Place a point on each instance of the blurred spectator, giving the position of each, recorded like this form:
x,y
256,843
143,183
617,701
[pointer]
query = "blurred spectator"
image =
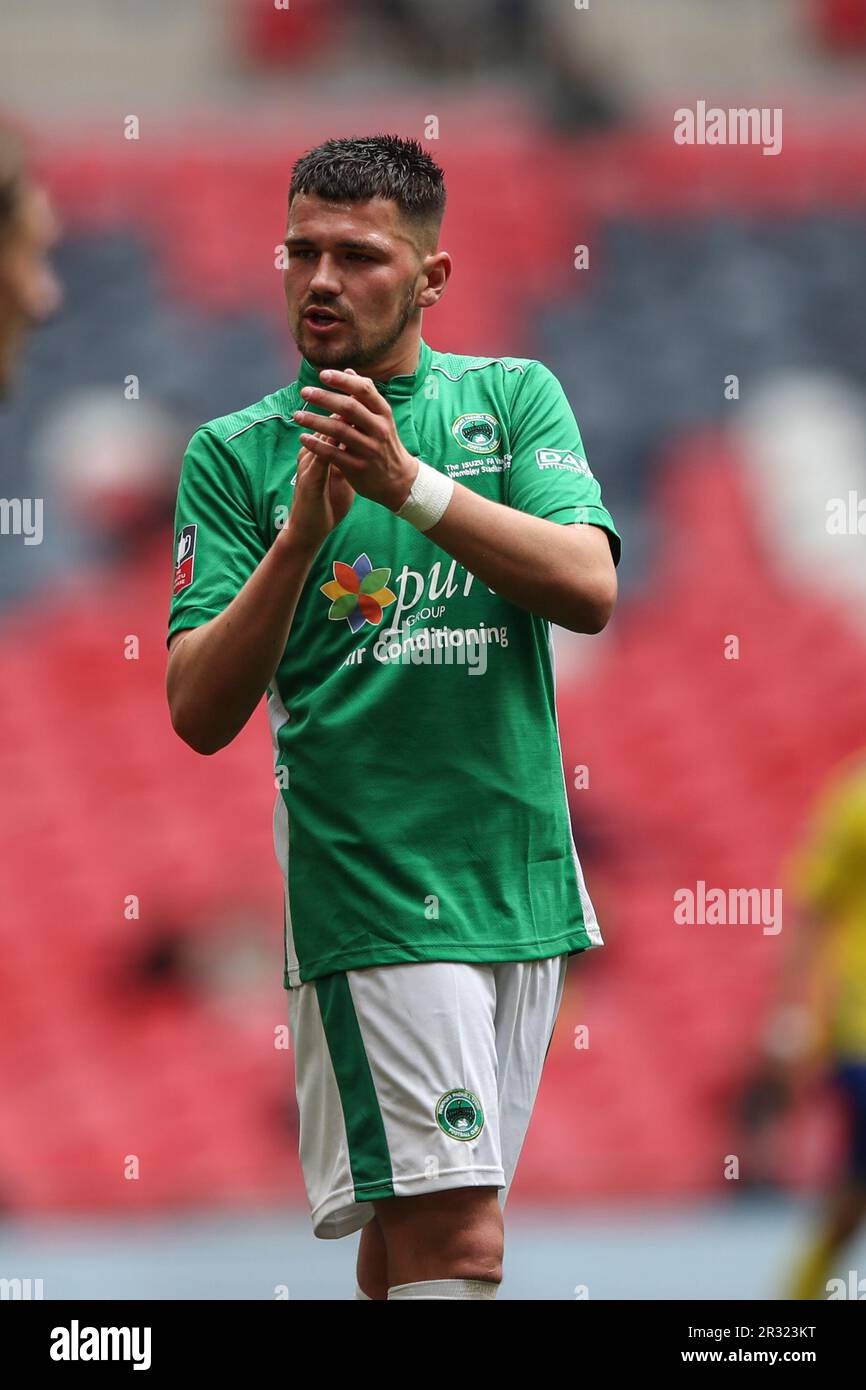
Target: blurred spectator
x,y
110,466
454,37
528,35
29,290
803,435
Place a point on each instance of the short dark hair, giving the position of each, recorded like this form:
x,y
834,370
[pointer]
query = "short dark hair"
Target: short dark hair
x,y
354,168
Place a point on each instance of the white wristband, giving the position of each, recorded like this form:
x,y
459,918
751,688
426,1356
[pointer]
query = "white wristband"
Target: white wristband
x,y
430,495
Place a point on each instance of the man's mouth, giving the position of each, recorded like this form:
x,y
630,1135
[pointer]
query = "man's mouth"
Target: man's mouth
x,y
321,319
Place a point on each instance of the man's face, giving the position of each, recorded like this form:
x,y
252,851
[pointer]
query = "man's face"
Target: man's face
x,y
357,261
29,289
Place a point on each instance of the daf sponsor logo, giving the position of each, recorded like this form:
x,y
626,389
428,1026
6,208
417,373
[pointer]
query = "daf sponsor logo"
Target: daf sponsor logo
x,y
562,458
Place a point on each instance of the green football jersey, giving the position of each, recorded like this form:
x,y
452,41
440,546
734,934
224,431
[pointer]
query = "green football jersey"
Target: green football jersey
x,y
421,809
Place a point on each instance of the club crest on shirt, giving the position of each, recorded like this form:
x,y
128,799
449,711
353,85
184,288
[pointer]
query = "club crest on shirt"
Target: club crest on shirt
x,y
459,1115
183,572
480,433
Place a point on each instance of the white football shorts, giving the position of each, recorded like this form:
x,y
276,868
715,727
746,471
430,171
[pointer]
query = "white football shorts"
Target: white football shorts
x,y
416,1078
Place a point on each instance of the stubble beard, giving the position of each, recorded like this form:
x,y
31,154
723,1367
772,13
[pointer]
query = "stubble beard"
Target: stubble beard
x,y
360,354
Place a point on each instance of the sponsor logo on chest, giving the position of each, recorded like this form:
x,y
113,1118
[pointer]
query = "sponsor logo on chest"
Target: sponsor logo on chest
x,y
360,593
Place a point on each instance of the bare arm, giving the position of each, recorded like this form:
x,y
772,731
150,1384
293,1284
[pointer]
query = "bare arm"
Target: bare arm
x,y
563,573
218,672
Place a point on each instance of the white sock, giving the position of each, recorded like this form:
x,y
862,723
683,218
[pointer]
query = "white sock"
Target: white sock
x,y
445,1288
359,1293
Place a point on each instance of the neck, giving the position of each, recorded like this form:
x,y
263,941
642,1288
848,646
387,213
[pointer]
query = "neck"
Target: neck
x,y
400,360
399,365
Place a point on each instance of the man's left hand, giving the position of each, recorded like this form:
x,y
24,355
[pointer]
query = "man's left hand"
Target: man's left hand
x,y
360,437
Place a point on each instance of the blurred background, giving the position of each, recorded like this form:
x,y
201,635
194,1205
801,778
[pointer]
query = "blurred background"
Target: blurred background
x,y
704,307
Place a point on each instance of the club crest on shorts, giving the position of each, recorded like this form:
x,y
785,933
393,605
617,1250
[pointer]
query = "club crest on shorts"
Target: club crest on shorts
x,y
459,1115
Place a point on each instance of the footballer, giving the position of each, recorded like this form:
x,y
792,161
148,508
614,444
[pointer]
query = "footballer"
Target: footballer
x,y
29,289
380,549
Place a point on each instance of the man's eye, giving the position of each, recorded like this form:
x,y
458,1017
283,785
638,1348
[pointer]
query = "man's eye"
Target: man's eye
x,y
359,256
296,253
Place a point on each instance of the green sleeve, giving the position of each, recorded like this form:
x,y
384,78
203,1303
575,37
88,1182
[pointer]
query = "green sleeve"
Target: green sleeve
x,y
217,540
549,475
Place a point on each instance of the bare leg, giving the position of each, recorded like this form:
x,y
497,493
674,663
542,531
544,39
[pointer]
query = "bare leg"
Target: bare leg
x,y
457,1234
372,1261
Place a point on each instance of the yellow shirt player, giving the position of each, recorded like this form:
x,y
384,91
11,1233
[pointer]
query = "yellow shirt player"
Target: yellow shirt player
x,y
822,1023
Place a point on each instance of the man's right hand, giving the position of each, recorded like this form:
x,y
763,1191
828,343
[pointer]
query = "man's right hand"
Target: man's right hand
x,y
322,498
218,671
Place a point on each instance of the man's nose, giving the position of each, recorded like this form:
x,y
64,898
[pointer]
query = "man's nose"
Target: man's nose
x,y
325,280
